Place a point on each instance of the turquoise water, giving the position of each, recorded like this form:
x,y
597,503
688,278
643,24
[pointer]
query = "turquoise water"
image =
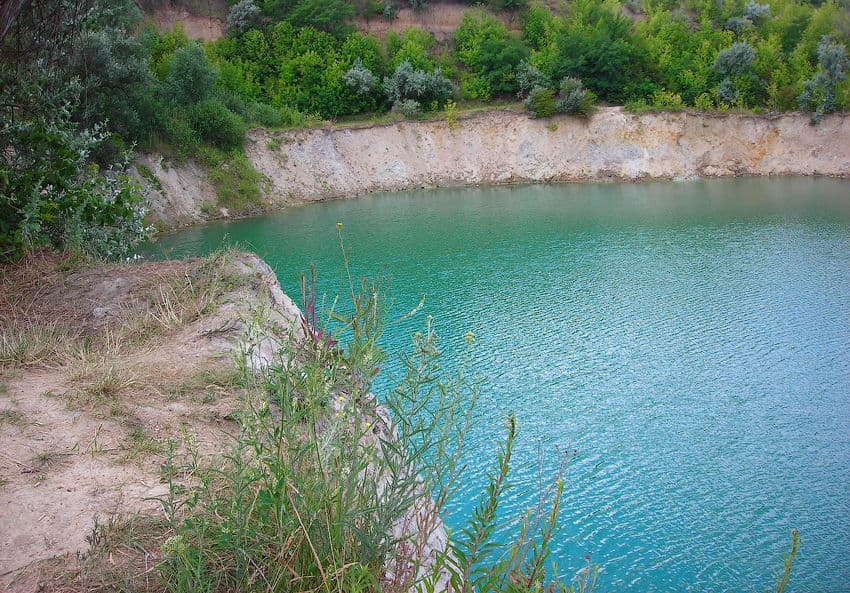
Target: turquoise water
x,y
690,341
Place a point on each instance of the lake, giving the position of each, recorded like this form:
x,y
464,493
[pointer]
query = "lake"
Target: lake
x,y
690,341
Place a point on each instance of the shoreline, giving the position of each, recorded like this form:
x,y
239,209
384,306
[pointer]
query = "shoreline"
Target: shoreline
x,y
505,147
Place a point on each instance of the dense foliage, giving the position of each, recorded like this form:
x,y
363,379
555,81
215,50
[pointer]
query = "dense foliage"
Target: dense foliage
x,y
67,65
705,54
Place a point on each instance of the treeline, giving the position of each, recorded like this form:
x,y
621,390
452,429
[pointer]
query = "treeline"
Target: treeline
x,y
284,63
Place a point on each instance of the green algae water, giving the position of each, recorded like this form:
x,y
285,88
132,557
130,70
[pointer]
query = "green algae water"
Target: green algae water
x,y
690,341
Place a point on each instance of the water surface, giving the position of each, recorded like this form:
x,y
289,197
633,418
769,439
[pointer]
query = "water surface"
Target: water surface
x,y
689,340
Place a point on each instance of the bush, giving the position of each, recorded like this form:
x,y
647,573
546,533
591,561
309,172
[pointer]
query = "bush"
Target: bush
x,y
540,102
735,60
819,95
573,98
217,125
180,133
268,116
390,12
237,183
409,108
528,77
738,25
360,79
190,78
726,92
330,16
243,16
756,12
704,102
423,87
474,87
667,100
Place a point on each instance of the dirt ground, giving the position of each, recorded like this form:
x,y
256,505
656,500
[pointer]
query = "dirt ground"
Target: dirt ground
x,y
439,18
206,20
201,20
100,368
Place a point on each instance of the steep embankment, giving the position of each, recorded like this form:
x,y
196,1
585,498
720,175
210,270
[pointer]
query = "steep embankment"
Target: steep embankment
x,y
509,147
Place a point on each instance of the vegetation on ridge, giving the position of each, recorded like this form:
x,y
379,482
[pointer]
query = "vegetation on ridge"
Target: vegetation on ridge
x,y
85,80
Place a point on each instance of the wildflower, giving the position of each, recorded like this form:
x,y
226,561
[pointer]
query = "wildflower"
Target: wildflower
x,y
339,226
175,545
469,337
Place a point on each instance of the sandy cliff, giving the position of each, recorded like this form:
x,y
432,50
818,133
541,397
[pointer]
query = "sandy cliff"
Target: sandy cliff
x,y
509,147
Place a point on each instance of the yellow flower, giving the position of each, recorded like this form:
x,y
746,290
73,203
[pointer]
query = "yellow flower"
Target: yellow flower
x,y
339,226
469,337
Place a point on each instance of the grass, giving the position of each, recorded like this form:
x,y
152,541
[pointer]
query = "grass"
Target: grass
x,y
206,385
140,444
462,110
24,343
13,418
49,459
149,176
33,334
238,185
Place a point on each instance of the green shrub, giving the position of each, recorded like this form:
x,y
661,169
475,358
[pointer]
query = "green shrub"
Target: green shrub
x,y
190,78
181,135
667,101
217,125
474,87
574,99
540,102
237,183
704,102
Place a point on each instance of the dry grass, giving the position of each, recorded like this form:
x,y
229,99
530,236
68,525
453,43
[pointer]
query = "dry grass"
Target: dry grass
x,y
205,386
14,418
123,556
49,303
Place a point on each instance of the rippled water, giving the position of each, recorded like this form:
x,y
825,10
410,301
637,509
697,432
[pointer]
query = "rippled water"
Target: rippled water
x,y
688,340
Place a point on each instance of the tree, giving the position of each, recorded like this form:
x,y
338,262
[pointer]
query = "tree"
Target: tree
x,y
243,15
330,16
818,94
190,78
51,194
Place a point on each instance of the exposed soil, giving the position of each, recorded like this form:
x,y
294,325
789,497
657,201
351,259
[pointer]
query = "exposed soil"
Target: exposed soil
x,y
440,19
200,20
139,355
507,146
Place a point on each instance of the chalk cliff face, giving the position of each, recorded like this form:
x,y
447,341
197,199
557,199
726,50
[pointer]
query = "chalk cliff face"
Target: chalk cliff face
x,y
509,147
